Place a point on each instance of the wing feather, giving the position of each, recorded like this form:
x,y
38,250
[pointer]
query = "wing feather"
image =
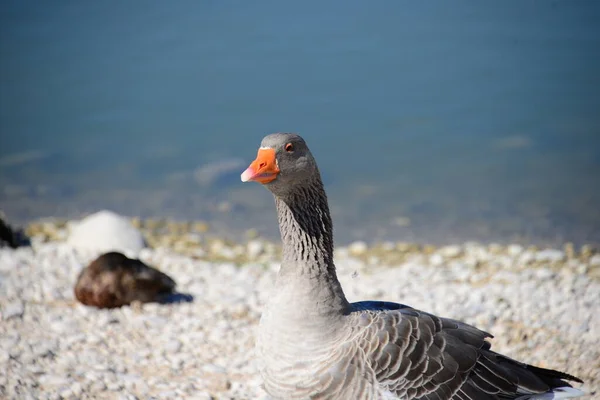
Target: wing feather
x,y
416,355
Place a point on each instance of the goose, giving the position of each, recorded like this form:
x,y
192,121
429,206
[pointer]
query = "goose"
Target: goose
x,y
314,344
114,280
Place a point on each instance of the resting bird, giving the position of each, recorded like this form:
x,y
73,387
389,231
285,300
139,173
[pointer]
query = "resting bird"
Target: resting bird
x,y
14,238
113,280
313,344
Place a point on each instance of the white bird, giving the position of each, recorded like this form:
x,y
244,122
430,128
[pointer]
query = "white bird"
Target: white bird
x,y
313,344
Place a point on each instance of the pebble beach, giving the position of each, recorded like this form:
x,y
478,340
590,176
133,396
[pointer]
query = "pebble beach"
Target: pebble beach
x,y
541,304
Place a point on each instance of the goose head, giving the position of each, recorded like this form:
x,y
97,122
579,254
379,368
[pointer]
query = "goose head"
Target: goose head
x,y
283,164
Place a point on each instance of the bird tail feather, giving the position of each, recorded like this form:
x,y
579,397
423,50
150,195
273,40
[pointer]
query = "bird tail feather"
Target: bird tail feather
x,y
556,394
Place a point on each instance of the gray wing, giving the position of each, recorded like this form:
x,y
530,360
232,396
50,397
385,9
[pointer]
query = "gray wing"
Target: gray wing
x,y
416,355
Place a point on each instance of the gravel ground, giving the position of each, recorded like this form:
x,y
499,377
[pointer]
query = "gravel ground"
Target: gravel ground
x,y
542,306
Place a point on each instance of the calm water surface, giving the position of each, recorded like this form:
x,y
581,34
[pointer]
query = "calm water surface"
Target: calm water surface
x,y
431,121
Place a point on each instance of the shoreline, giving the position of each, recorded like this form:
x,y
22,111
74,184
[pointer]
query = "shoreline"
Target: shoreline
x,y
231,212
195,239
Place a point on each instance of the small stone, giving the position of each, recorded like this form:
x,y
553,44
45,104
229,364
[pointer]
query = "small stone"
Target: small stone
x,y
15,309
4,357
219,248
101,367
194,238
388,246
167,394
569,250
582,269
135,383
450,251
495,248
76,389
373,260
526,257
358,248
214,369
514,250
544,273
255,248
98,386
13,353
66,394
154,321
44,349
177,361
436,259
200,396
114,386
94,339
53,380
239,310
172,346
126,396
586,251
428,249
550,255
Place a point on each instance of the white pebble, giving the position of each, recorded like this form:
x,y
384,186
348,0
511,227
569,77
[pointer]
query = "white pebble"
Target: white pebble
x,y
15,309
357,248
514,250
172,346
550,255
436,259
255,248
450,251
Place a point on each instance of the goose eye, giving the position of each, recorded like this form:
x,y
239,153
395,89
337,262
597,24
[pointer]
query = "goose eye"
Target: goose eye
x,y
289,147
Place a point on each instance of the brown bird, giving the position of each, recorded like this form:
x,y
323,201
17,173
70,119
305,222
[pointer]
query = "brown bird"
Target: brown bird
x,y
113,280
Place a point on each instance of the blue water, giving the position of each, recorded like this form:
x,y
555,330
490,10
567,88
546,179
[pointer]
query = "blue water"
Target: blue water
x,y
431,121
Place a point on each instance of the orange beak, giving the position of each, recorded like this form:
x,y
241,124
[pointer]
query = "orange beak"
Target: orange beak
x,y
264,169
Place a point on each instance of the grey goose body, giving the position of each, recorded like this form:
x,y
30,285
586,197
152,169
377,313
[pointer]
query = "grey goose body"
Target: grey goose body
x,y
313,344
